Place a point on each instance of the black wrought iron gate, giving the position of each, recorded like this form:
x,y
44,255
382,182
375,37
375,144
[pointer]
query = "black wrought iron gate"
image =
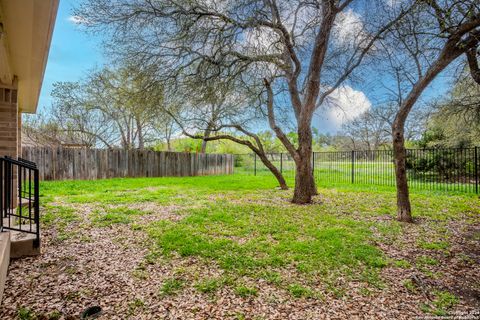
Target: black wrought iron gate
x,y
19,197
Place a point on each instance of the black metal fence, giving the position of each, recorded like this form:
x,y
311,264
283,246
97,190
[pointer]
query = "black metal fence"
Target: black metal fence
x,y
449,169
19,197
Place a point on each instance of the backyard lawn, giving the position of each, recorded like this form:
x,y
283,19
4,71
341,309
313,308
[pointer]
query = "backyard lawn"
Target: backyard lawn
x,y
234,247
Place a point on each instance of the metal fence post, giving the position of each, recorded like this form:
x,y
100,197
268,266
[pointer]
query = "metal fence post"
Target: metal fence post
x,y
36,206
281,162
427,168
353,166
2,194
313,163
476,170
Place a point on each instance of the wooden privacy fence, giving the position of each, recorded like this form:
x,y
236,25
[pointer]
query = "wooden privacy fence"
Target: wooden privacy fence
x,y
91,164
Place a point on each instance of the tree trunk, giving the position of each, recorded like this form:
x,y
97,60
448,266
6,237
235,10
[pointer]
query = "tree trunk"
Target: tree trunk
x,y
141,141
274,170
404,211
168,137
204,141
473,64
304,180
449,53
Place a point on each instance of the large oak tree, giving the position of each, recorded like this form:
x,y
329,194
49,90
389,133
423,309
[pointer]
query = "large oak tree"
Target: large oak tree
x,y
295,52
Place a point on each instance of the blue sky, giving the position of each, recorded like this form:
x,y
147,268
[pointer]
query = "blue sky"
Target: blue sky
x,y
72,53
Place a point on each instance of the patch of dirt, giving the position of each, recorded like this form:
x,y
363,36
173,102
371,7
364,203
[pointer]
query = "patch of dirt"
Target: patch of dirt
x,y
74,274
154,211
455,269
151,211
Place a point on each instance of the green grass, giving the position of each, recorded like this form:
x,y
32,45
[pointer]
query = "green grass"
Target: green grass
x,y
434,245
54,214
249,230
25,314
427,261
60,217
209,285
404,264
245,291
410,285
299,291
442,302
135,305
272,277
314,242
171,286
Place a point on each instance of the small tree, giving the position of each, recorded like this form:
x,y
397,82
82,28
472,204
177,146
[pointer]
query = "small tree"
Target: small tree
x,y
455,120
72,116
368,131
373,129
112,107
220,113
417,53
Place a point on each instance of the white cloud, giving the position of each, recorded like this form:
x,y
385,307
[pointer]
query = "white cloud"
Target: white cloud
x,y
77,20
344,104
349,28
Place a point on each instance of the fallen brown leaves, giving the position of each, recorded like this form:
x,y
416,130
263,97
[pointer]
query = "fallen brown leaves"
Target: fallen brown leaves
x,y
106,267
